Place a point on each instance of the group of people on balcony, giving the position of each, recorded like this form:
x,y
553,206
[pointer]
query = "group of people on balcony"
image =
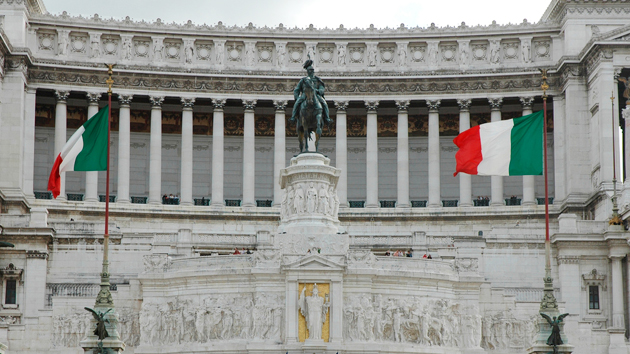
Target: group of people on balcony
x,y
170,199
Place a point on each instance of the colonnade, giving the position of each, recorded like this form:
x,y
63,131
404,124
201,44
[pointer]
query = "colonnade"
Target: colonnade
x,y
249,142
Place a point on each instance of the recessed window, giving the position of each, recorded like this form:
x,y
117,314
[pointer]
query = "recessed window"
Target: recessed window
x,y
593,297
10,295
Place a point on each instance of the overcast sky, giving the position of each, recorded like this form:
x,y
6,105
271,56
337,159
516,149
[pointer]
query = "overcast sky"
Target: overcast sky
x,y
320,13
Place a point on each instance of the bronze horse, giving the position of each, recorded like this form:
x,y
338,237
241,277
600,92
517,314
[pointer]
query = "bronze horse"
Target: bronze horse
x,y
309,119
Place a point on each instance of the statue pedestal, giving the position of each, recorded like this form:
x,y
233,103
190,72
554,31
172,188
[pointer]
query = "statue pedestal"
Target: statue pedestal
x,y
546,349
113,342
617,343
309,209
315,346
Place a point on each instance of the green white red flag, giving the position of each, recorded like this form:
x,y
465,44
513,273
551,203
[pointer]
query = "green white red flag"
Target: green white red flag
x,y
512,147
86,150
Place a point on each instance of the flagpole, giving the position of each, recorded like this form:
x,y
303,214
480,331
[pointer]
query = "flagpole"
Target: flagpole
x,y
615,219
104,297
549,300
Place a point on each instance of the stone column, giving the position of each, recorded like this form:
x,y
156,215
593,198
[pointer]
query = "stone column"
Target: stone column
x,y
155,157
434,154
124,145
187,151
217,152
249,154
559,148
617,292
342,153
91,177
29,141
465,180
60,134
529,183
496,181
279,154
371,152
403,154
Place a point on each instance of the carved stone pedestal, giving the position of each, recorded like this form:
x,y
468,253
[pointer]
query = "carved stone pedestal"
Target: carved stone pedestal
x,y
308,218
315,346
113,342
540,344
545,349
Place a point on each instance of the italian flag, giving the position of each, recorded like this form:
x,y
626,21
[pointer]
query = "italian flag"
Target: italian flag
x,y
512,147
85,151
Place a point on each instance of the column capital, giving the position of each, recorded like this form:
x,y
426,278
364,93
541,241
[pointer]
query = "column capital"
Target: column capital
x,y
188,102
371,106
434,105
495,103
464,104
616,73
280,105
93,97
30,89
125,99
62,96
156,101
249,105
402,105
218,103
341,105
527,102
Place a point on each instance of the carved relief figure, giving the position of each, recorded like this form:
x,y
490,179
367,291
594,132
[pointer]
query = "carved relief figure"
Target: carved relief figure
x,y
494,51
249,54
402,54
433,54
298,202
158,49
219,49
527,51
372,59
314,310
322,205
62,42
463,54
341,54
281,54
311,199
126,48
189,51
95,47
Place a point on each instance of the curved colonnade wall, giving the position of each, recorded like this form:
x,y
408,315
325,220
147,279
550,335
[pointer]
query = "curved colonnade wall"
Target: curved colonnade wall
x,y
177,287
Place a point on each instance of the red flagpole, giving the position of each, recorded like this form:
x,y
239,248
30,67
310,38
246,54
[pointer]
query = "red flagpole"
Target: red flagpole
x,y
544,87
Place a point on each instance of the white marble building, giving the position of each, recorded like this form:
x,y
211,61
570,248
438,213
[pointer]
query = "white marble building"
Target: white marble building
x,y
202,112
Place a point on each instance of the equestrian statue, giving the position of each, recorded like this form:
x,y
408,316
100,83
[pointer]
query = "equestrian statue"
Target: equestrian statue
x,y
310,110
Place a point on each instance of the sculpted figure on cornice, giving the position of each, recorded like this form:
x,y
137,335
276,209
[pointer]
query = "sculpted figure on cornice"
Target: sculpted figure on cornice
x,y
220,28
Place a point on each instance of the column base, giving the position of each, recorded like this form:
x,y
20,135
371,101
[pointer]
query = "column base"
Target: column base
x,y
403,206
372,205
617,341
